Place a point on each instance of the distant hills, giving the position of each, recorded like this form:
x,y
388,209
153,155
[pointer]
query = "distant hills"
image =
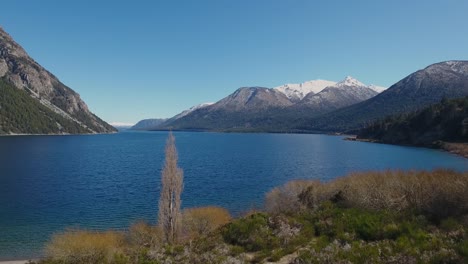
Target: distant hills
x,y
324,106
34,101
148,124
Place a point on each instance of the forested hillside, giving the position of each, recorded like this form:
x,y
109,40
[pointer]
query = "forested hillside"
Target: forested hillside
x,y
20,113
445,121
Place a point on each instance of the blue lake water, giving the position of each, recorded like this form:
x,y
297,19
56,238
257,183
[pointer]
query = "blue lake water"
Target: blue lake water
x,y
49,183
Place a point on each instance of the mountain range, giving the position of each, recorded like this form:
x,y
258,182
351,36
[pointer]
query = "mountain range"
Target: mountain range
x,y
444,80
34,101
271,109
323,106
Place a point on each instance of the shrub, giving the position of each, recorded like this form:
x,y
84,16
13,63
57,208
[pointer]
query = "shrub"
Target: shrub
x,y
440,193
141,234
285,199
79,246
463,248
252,233
202,220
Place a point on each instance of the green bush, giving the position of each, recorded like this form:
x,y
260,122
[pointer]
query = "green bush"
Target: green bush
x,y
462,248
252,232
449,224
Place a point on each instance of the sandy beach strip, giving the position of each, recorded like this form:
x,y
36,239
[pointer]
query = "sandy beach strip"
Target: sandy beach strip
x,y
14,262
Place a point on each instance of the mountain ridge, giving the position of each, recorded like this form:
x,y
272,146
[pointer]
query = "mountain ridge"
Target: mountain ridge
x,y
23,72
448,79
268,109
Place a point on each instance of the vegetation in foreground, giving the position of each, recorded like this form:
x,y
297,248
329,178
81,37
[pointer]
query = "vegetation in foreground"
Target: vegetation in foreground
x,y
374,217
432,126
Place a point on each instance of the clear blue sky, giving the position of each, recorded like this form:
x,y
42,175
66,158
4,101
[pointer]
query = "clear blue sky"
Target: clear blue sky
x,y
139,59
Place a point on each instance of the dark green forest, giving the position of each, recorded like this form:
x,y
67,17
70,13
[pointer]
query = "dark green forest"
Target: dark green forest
x,y
446,121
20,113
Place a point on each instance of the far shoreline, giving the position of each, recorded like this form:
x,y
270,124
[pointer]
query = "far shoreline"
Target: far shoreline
x,y
84,134
15,261
455,148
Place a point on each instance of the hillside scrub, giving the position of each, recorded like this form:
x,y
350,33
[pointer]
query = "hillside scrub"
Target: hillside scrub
x,y
439,193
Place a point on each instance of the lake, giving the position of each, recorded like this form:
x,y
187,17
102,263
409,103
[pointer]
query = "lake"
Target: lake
x,y
49,183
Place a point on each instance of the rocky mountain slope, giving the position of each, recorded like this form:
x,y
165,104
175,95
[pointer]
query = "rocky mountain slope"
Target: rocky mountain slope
x,y
252,99
248,108
420,89
22,72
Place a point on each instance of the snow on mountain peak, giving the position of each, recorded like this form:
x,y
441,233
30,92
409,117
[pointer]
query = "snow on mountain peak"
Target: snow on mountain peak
x,y
191,109
376,88
297,91
350,81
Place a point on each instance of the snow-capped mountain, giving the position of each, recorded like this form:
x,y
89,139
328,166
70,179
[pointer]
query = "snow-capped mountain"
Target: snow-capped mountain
x,y
347,92
271,109
297,91
191,109
350,81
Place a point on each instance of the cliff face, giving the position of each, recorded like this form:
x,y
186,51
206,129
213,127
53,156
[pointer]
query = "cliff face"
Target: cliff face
x,y
21,71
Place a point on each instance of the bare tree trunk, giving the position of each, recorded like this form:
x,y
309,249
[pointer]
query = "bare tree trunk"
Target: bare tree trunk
x,y
169,215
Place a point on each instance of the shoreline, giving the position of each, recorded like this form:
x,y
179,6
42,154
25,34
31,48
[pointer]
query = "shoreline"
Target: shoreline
x,y
87,134
458,149
15,261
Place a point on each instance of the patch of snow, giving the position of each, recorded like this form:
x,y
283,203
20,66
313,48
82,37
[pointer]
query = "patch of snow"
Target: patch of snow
x,y
299,90
376,88
191,109
350,81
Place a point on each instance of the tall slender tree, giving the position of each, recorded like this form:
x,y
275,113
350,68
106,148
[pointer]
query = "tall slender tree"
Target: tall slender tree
x,y
169,216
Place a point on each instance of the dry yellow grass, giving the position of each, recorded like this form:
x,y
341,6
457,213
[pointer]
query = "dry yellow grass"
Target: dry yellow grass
x,y
80,246
440,192
202,220
141,234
